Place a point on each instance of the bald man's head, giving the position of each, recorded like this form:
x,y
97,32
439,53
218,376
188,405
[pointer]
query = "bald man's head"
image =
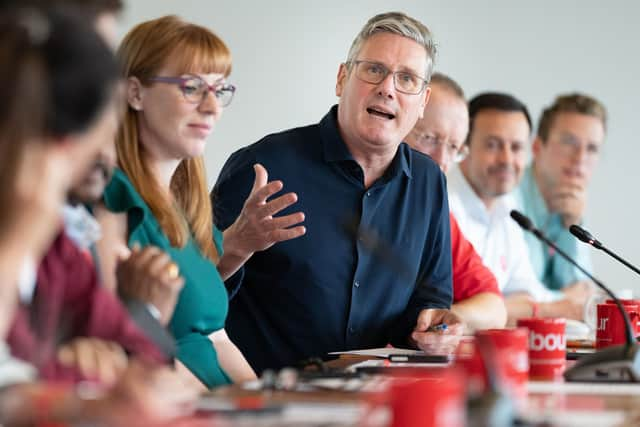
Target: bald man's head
x,y
442,131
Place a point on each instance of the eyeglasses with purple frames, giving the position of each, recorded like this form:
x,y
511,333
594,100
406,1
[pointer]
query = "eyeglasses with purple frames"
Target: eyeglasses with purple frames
x,y
194,88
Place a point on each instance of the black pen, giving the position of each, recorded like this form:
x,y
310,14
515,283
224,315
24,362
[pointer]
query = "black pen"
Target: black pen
x,y
419,358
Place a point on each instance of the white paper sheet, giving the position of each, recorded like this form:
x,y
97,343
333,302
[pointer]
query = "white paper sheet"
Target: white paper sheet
x,y
375,363
381,352
583,388
564,418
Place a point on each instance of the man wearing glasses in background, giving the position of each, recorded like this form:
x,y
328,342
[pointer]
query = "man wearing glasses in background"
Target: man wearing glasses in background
x,y
441,134
374,265
553,190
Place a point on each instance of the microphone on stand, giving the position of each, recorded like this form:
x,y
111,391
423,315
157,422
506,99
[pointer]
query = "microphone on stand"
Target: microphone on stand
x,y
620,363
586,237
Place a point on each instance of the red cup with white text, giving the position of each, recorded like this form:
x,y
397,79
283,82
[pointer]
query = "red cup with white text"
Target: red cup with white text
x,y
635,320
428,398
610,324
547,347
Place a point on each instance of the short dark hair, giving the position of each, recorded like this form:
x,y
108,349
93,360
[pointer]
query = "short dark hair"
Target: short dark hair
x,y
79,71
24,95
495,101
90,9
571,103
448,83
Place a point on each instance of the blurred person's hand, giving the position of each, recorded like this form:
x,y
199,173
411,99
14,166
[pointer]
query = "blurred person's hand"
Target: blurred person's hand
x,y
519,305
566,308
569,200
95,359
579,292
149,275
152,395
430,336
143,396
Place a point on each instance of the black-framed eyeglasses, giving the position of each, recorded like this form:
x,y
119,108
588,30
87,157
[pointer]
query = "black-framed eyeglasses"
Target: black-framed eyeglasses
x,y
194,88
375,72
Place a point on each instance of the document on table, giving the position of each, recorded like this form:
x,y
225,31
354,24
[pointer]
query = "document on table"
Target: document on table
x,y
376,365
288,414
575,418
383,352
583,388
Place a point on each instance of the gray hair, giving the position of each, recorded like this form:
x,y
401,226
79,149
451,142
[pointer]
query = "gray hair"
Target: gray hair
x,y
402,25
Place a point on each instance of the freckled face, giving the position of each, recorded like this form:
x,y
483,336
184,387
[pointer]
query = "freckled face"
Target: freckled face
x,y
170,126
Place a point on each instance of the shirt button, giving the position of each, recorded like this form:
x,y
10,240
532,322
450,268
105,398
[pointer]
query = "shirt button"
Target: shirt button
x,y
356,284
352,329
368,193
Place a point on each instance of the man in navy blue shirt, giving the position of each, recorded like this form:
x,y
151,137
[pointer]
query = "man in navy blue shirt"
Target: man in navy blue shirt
x,y
374,265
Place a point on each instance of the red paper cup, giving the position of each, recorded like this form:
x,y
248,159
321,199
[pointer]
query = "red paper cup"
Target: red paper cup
x,y
610,326
509,351
634,317
547,347
511,355
469,361
429,398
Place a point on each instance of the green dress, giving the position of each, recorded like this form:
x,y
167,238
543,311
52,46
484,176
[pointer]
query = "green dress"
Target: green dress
x,y
203,303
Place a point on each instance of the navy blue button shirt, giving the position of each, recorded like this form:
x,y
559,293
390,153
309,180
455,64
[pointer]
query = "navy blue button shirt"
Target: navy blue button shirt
x,y
334,289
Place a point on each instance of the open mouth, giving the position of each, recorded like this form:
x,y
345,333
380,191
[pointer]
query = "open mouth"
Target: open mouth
x,y
380,113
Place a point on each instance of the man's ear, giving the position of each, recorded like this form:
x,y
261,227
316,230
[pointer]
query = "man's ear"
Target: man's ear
x,y
135,93
341,79
425,100
536,147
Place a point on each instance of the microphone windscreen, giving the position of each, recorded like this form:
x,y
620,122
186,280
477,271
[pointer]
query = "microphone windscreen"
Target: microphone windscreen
x,y
522,220
581,233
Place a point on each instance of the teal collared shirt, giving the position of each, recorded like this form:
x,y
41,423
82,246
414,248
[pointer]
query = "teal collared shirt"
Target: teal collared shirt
x,y
551,269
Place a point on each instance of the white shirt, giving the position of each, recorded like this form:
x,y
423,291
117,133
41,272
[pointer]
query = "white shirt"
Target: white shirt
x,y
81,227
12,370
27,280
496,237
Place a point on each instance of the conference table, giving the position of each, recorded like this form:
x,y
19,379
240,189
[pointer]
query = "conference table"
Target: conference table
x,y
357,402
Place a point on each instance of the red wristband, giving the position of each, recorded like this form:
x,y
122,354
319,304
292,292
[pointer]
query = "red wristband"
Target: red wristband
x,y
535,308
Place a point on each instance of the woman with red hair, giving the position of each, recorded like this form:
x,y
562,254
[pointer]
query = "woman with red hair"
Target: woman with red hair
x,y
176,92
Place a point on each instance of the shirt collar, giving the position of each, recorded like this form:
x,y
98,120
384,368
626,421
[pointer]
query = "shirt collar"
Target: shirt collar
x,y
81,227
27,280
335,150
472,202
538,207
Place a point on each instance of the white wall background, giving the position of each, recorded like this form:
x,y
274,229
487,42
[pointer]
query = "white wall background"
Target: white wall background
x,y
286,56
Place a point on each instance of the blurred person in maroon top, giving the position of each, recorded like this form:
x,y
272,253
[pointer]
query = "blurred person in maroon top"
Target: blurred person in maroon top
x,y
36,178
65,301
441,134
